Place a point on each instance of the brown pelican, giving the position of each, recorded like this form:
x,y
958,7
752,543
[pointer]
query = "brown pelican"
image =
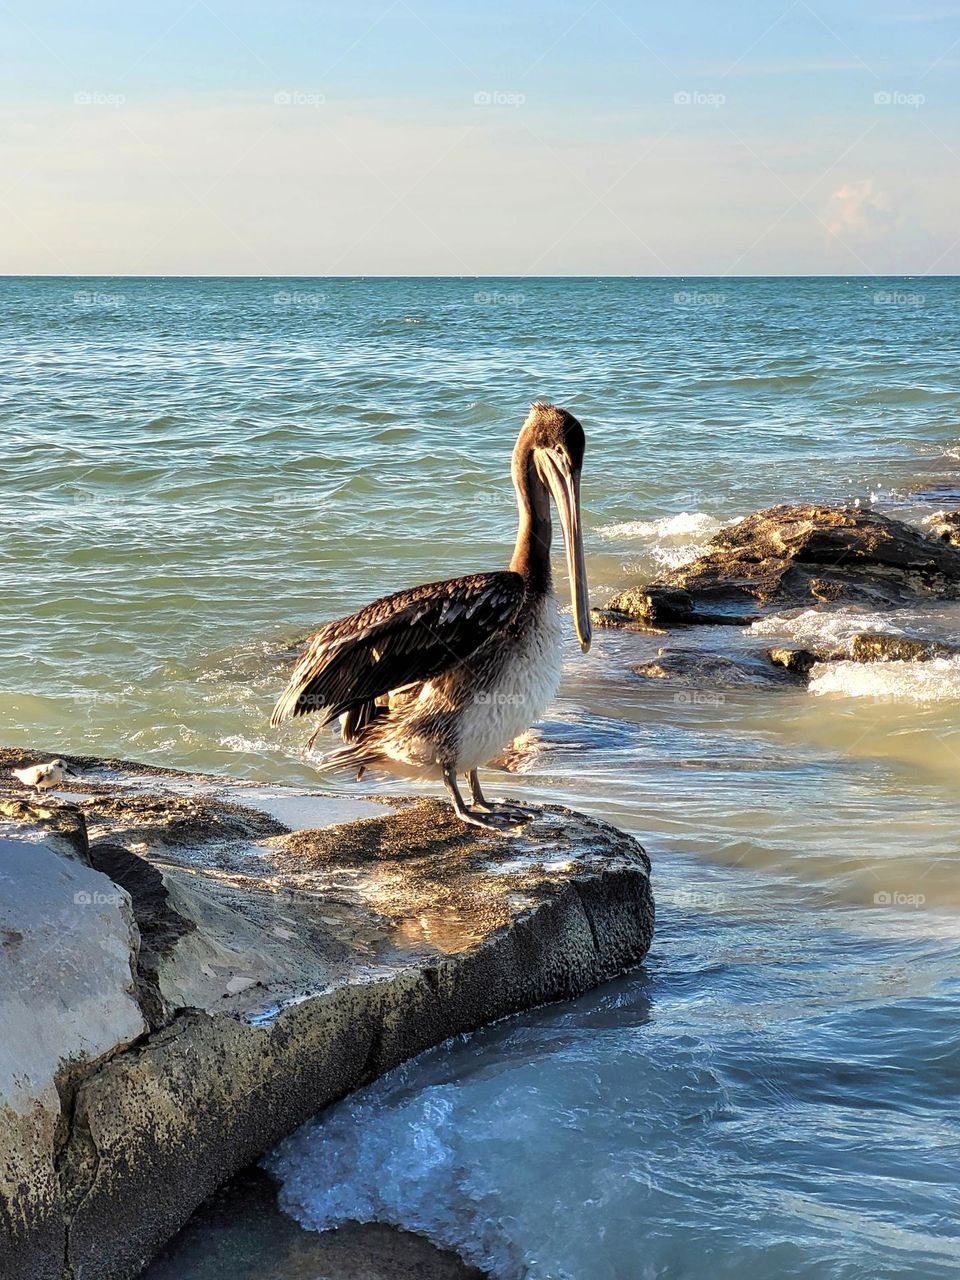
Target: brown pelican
x,y
434,681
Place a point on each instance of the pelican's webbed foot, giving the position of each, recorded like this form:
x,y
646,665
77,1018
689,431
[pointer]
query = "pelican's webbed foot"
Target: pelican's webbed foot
x,y
507,808
502,821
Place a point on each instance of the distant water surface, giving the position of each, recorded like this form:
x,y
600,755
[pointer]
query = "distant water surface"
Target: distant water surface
x,y
196,472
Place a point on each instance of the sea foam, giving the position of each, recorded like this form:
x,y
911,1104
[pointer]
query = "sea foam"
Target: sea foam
x,y
674,540
833,629
936,680
686,524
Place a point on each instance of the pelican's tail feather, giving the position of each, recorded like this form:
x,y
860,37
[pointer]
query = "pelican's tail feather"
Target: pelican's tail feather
x,y
352,757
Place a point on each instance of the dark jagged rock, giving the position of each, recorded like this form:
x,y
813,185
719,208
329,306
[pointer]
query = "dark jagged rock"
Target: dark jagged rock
x,y
703,670
160,925
797,661
657,607
945,525
192,967
800,556
881,647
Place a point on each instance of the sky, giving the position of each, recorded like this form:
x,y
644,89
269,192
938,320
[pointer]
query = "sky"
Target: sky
x,y
499,137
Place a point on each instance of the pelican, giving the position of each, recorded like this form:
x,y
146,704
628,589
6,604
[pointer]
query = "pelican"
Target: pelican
x,y
434,681
43,776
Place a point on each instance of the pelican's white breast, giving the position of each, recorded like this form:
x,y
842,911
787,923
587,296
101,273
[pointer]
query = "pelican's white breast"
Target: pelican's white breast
x,y
516,697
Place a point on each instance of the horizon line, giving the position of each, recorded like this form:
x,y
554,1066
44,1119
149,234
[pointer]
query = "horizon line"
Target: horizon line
x,y
806,275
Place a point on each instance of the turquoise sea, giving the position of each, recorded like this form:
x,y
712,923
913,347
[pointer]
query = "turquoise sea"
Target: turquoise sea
x,y
196,472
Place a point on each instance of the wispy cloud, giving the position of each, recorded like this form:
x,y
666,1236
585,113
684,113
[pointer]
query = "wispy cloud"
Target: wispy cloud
x,y
860,209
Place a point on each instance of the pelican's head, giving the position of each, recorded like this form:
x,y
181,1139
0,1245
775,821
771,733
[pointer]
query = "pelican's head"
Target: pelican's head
x,y
553,441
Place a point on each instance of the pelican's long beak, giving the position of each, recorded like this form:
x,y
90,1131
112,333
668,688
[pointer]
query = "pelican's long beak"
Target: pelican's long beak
x,y
564,484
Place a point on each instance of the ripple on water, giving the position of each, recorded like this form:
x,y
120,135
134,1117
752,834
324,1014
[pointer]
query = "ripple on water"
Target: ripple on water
x,y
713,1108
204,469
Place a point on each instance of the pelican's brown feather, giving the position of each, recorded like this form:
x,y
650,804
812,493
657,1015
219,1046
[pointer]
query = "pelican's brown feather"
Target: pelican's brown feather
x,y
400,639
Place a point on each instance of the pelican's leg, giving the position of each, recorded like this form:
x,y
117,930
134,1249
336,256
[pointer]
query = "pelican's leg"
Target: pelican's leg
x,y
492,821
479,799
507,808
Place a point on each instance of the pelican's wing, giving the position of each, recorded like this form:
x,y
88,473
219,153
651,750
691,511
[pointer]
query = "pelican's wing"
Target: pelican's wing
x,y
410,636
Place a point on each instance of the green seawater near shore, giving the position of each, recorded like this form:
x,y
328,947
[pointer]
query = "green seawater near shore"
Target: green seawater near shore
x,y
197,472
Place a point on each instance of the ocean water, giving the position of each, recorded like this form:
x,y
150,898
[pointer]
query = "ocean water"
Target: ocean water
x,y
197,472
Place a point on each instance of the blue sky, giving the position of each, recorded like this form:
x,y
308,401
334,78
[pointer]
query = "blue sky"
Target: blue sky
x,y
415,137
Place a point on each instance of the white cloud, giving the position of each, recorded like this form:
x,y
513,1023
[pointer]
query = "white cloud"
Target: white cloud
x,y
859,209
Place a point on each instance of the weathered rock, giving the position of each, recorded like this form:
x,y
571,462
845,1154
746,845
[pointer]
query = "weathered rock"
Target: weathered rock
x,y
946,526
67,957
792,556
181,1000
616,620
243,1223
864,646
797,661
881,647
656,607
700,669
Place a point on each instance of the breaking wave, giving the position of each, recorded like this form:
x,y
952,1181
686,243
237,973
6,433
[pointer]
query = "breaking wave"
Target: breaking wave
x,y
935,680
833,629
675,540
687,524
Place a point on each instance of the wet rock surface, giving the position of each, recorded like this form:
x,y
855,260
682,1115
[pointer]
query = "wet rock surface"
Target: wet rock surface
x,y
658,607
798,556
798,662
194,966
884,647
945,525
864,646
241,1234
701,669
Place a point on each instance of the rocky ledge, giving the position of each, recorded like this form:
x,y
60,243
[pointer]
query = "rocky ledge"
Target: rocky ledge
x,y
783,666
191,967
797,556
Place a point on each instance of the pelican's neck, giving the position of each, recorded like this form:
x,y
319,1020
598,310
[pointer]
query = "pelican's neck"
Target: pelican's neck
x,y
531,555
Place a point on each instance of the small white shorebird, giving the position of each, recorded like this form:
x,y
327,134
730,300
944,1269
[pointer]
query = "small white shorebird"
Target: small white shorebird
x,y
44,776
